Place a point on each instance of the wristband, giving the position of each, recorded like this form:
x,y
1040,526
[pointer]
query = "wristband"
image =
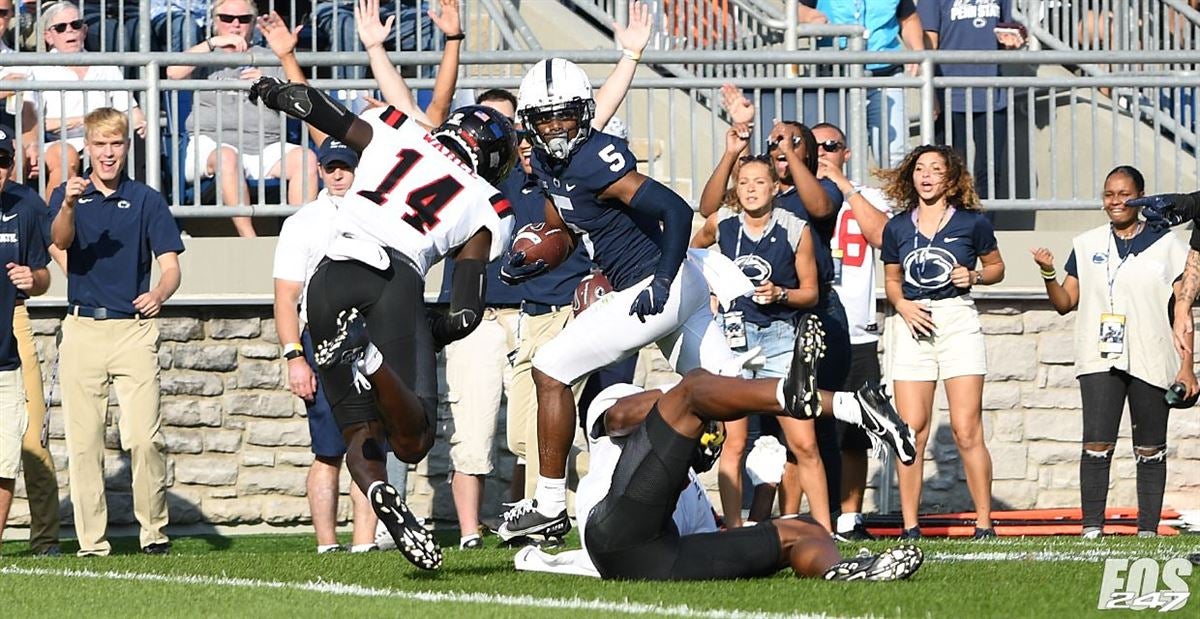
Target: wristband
x,y
854,191
1050,274
456,37
210,45
978,279
632,55
783,296
293,350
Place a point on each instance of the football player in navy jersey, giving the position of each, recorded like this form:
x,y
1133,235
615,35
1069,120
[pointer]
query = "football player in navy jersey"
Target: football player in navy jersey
x,y
636,230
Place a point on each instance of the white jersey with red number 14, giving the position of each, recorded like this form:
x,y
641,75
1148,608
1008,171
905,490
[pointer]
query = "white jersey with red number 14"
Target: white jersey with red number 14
x,y
412,195
857,288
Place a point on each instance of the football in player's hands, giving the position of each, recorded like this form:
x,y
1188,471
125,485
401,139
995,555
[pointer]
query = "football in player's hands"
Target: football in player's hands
x,y
593,286
542,242
517,269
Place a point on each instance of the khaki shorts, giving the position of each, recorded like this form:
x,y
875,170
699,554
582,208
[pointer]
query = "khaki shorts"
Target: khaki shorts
x,y
13,422
957,347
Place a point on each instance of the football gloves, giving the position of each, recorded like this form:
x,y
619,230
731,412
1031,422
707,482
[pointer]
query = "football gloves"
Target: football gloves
x,y
1160,210
514,270
652,299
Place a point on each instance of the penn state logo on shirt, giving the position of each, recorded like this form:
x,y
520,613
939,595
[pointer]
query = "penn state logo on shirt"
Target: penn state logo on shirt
x,y
928,267
1099,257
123,204
756,268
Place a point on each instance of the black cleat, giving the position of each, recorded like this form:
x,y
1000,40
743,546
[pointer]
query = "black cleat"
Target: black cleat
x,y
801,399
909,534
348,343
893,564
988,533
412,540
880,419
524,520
157,548
858,534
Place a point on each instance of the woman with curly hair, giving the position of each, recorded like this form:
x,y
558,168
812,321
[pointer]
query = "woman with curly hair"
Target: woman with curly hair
x,y
931,249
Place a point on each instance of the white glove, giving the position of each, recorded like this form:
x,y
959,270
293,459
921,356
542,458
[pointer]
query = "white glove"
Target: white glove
x,y
764,464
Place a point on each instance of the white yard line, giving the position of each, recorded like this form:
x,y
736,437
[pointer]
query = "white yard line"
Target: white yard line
x,y
336,588
1088,555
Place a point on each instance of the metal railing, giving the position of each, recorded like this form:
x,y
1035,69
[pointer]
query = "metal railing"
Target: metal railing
x,y
1073,133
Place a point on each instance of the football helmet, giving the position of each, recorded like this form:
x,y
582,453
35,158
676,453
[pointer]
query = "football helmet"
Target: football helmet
x,y
556,89
481,137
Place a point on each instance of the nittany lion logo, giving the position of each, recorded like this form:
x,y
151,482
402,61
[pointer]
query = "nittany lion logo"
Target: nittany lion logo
x,y
928,267
754,267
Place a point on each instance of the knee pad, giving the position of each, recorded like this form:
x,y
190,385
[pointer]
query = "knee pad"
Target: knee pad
x,y
1150,454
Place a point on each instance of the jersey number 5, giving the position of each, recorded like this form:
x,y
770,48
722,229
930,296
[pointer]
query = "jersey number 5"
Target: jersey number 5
x,y
426,201
615,160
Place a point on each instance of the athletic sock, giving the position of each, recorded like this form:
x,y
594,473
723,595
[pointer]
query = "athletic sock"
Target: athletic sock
x,y
364,547
551,496
779,395
324,548
847,521
846,408
370,361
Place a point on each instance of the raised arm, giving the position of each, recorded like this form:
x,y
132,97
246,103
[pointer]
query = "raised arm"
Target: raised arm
x,y
811,194
231,42
282,41
1064,297
737,140
632,39
450,24
373,34
706,236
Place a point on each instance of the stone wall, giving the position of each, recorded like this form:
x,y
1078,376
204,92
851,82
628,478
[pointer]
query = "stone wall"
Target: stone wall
x,y
238,441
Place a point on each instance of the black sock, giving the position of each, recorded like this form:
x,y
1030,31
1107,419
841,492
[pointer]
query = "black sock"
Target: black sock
x,y
1093,487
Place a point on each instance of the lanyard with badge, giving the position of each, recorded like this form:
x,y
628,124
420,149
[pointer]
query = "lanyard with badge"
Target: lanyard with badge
x,y
734,321
924,256
1112,324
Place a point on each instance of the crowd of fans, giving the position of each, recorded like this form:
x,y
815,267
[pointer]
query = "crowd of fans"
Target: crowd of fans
x,y
806,236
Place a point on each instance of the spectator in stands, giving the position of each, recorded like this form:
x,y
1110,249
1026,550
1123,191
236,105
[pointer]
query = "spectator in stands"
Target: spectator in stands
x,y
774,248
225,139
333,21
971,123
62,112
110,225
176,25
930,250
891,26
41,484
1121,276
858,234
23,253
11,100
302,243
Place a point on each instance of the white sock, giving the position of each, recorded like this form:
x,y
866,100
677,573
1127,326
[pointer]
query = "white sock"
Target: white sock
x,y
846,408
324,548
846,521
779,395
551,495
370,361
364,547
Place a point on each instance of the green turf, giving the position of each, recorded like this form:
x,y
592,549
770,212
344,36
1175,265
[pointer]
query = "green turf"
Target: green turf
x,y
1023,583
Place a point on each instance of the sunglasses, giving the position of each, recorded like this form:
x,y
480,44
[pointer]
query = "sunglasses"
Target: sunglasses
x,y
523,134
241,19
831,146
6,13
73,25
754,158
773,144
6,161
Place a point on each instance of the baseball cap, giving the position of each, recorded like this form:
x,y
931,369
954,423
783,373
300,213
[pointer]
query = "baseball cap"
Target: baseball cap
x,y
6,139
332,150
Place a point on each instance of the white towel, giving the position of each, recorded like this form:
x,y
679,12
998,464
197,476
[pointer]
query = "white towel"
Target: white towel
x,y
724,277
366,252
571,562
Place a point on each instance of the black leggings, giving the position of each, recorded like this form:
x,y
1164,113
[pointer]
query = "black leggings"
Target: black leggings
x,y
392,303
1104,397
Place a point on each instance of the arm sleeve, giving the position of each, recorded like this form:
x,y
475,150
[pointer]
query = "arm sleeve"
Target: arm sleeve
x,y
889,252
1072,268
676,216
983,235
161,229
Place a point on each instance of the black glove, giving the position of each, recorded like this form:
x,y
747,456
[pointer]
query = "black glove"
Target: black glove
x,y
515,271
652,299
1160,210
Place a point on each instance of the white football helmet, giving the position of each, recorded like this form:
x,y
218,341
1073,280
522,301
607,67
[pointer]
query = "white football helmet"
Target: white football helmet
x,y
556,88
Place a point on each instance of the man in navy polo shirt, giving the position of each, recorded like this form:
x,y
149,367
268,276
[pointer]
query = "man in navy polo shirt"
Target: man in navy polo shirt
x,y
112,227
41,484
24,258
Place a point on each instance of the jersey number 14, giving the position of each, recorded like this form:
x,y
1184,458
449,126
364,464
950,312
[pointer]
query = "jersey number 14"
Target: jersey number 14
x,y
425,201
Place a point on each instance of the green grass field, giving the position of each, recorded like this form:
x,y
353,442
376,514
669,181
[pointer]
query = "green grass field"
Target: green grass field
x,y
281,576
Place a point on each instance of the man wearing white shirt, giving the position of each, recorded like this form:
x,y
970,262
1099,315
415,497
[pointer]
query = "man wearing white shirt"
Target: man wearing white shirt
x,y
857,234
305,237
